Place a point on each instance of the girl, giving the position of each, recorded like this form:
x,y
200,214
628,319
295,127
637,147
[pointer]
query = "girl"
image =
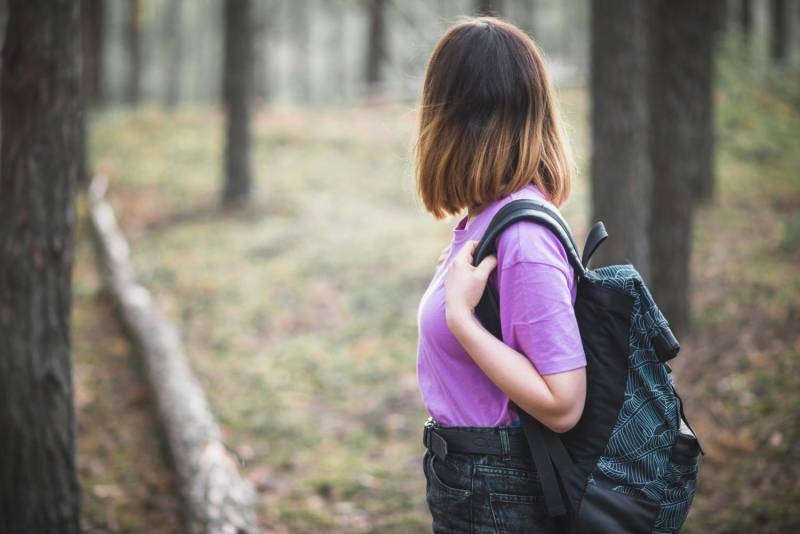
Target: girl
x,y
489,133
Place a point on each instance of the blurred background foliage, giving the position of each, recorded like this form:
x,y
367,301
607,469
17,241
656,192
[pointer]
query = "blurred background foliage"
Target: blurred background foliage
x,y
298,311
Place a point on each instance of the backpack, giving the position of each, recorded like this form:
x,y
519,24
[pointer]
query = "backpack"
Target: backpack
x,y
630,463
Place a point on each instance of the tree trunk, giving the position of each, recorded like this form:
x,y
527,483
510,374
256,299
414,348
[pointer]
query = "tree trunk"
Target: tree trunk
x,y
261,62
489,8
173,34
336,51
216,498
720,23
681,144
299,23
133,85
779,38
238,85
92,29
526,16
621,168
92,26
39,161
699,67
746,18
376,47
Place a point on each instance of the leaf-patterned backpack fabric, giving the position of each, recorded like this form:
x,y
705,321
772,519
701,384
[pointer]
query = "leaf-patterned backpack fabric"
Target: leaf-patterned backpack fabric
x,y
630,464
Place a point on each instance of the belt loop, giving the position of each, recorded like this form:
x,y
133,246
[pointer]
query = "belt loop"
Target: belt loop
x,y
434,442
437,445
505,445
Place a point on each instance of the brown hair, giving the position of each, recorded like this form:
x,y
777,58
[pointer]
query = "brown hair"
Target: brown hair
x,y
488,121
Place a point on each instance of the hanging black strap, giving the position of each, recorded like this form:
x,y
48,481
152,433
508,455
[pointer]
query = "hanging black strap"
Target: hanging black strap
x,y
537,442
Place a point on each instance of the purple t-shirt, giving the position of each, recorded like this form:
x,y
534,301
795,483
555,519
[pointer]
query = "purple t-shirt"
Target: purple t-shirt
x,y
536,287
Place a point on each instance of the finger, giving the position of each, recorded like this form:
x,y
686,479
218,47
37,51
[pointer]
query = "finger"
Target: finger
x,y
486,266
465,254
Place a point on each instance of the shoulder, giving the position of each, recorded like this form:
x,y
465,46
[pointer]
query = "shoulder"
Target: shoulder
x,y
529,242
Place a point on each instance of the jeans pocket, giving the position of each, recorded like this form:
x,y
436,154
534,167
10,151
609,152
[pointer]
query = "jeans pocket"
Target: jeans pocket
x,y
449,502
520,513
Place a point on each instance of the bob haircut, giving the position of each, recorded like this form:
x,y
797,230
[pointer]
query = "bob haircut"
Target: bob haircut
x,y
488,121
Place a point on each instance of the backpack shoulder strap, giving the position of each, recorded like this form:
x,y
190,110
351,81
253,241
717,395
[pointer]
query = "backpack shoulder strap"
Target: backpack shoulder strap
x,y
529,210
488,310
547,450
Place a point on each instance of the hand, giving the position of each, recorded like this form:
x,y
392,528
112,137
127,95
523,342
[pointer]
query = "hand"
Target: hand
x,y
465,284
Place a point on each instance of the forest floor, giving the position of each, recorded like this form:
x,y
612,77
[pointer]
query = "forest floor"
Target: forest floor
x,y
299,314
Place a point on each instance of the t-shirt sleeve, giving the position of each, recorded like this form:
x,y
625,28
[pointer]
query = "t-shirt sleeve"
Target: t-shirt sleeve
x,y
536,305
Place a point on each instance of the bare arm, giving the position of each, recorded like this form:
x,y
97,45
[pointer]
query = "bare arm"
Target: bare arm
x,y
555,400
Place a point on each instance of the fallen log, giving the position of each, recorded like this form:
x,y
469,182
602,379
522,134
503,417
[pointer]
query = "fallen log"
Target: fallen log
x,y
216,498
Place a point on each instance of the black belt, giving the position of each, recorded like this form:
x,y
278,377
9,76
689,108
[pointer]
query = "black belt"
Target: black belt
x,y
497,441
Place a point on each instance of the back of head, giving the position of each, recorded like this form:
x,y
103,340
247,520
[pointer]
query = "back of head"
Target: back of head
x,y
488,120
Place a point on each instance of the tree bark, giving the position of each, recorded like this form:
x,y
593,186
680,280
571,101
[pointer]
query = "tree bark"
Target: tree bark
x,y
620,163
133,85
376,46
216,498
238,85
681,144
779,38
699,67
39,161
173,34
92,30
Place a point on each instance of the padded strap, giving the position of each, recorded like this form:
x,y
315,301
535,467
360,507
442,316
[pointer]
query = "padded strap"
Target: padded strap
x,y
529,210
488,312
596,236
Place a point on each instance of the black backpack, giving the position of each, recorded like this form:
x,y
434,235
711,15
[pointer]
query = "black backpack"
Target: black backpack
x,y
630,463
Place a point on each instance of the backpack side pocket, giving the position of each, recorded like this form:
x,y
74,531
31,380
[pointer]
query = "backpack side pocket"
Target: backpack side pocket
x,y
680,479
605,511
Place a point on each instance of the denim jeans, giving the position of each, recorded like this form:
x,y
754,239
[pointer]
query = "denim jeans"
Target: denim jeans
x,y
478,494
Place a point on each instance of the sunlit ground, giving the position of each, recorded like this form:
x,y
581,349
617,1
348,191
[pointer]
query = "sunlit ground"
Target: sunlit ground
x,y
299,314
